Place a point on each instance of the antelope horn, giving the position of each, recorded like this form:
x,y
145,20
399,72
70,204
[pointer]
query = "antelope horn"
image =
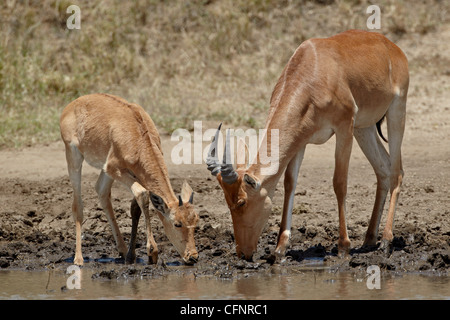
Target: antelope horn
x,y
212,161
227,172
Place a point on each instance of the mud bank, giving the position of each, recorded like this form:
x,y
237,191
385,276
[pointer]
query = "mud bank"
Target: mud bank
x,y
37,232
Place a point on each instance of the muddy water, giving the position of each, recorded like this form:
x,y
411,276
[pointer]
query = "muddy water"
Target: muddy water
x,y
304,283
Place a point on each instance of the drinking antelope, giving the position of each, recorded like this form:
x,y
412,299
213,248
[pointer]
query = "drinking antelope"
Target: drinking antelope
x,y
121,139
343,85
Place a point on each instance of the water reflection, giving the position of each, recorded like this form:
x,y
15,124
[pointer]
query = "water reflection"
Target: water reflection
x,y
321,284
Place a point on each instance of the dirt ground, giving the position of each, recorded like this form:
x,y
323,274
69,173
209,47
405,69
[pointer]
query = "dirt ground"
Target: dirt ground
x,y
37,230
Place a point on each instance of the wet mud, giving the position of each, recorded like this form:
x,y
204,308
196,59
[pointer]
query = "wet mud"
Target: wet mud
x,y
37,232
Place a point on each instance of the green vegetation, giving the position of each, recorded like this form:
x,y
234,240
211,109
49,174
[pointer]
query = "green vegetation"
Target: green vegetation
x,y
181,60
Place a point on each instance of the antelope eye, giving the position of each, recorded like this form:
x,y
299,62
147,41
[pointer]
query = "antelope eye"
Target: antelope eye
x,y
240,203
177,224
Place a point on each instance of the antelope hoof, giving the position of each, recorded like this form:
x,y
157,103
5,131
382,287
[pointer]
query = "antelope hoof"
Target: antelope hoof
x,y
369,245
342,254
130,258
78,261
280,253
277,256
153,257
191,261
370,241
283,243
386,247
343,248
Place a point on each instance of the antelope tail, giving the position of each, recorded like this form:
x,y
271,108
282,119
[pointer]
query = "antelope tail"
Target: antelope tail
x,y
379,128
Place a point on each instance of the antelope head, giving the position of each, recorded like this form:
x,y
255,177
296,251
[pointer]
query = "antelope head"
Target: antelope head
x,y
179,221
248,202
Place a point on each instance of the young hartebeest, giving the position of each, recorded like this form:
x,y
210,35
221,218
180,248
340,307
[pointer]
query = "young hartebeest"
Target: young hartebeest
x,y
343,85
121,139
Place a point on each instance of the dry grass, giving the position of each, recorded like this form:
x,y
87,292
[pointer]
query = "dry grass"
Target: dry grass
x,y
180,60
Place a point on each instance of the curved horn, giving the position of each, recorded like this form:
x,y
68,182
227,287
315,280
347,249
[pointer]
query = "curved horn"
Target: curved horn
x,y
227,172
212,161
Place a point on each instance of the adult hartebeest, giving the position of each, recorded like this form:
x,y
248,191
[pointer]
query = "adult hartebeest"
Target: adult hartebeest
x,y
343,85
121,139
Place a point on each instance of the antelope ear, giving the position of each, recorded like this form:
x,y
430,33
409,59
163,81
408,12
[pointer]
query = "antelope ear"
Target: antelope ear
x,y
186,193
159,204
251,181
